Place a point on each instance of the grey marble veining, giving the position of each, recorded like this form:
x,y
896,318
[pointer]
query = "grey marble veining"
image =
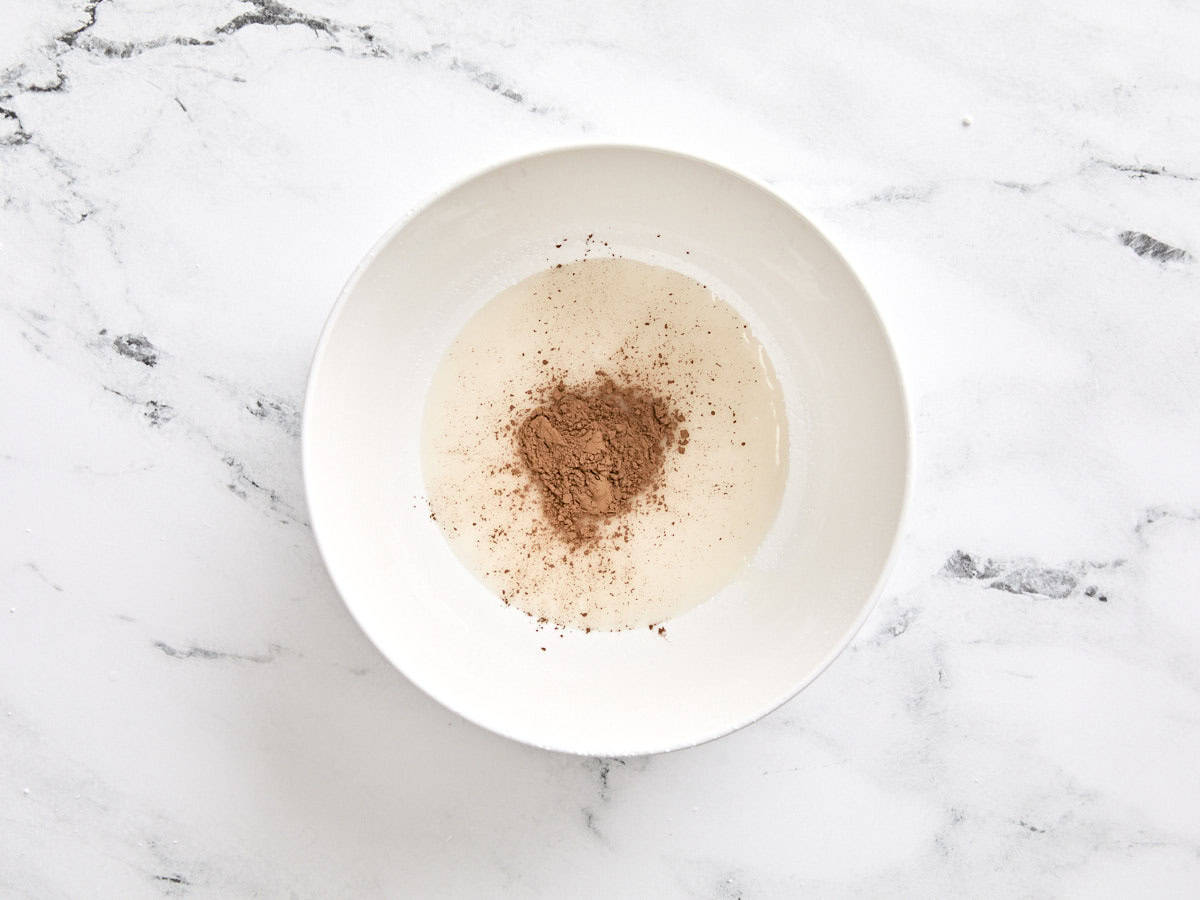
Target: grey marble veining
x,y
187,710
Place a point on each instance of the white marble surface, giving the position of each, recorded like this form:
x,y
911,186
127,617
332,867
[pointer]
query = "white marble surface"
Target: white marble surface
x,y
187,709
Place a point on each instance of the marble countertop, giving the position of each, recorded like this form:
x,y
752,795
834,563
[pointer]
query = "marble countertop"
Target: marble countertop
x,y
187,709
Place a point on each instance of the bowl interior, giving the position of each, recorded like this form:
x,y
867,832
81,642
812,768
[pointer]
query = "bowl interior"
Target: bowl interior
x,y
731,659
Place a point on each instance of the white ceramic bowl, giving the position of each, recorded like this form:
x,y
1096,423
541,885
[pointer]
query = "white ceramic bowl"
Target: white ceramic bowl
x,y
733,658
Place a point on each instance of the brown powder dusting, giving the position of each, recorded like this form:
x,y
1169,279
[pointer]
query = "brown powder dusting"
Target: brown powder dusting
x,y
684,437
592,450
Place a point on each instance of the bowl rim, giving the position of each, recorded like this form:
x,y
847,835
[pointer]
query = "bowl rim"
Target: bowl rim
x,y
555,149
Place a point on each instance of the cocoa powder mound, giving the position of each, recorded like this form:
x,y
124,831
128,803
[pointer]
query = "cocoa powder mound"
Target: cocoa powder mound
x,y
592,450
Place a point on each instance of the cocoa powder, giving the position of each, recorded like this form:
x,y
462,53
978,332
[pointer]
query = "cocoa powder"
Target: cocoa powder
x,y
592,450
